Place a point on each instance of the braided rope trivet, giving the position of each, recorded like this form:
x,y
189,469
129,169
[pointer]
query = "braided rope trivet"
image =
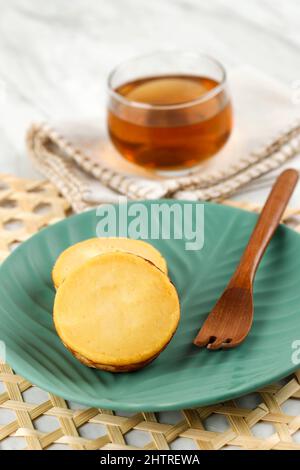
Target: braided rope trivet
x,y
26,206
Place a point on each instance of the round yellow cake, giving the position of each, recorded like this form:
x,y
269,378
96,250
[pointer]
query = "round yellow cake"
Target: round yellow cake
x,y
71,258
116,312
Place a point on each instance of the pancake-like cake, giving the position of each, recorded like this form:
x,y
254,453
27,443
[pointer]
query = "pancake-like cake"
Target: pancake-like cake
x,y
117,312
71,258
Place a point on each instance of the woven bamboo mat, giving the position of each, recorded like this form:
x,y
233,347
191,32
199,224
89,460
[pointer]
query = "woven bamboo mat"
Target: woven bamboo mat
x,y
25,207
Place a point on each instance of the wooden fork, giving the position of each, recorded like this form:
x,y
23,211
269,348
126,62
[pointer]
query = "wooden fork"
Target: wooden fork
x,y
231,318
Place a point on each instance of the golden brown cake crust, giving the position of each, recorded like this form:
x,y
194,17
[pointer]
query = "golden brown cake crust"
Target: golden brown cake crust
x,y
117,312
80,252
115,369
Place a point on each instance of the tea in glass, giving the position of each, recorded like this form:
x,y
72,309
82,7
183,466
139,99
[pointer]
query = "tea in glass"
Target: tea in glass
x,y
173,116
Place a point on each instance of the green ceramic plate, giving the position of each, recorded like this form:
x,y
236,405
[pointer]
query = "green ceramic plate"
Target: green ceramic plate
x,y
182,376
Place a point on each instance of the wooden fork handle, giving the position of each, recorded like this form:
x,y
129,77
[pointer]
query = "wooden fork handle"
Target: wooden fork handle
x,y
265,227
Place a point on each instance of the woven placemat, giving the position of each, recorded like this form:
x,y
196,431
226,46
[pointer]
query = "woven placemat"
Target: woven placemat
x,y
25,207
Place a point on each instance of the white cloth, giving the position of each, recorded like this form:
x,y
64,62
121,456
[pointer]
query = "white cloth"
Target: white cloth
x,y
78,158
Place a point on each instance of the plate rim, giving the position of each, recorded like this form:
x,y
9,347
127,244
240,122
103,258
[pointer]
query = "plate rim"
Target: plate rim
x,y
173,406
105,403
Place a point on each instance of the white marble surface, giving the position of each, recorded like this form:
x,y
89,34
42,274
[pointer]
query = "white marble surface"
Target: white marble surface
x,y
55,57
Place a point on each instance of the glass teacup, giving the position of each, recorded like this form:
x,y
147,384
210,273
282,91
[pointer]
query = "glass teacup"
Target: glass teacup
x,y
169,110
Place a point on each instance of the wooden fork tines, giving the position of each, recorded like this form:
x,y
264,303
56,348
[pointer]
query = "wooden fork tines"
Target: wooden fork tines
x,y
231,318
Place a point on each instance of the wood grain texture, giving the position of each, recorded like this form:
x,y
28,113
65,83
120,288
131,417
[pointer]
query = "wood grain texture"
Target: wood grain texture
x,y
230,321
267,223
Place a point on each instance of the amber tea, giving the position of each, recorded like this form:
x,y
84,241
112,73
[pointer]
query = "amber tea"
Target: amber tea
x,y
171,121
